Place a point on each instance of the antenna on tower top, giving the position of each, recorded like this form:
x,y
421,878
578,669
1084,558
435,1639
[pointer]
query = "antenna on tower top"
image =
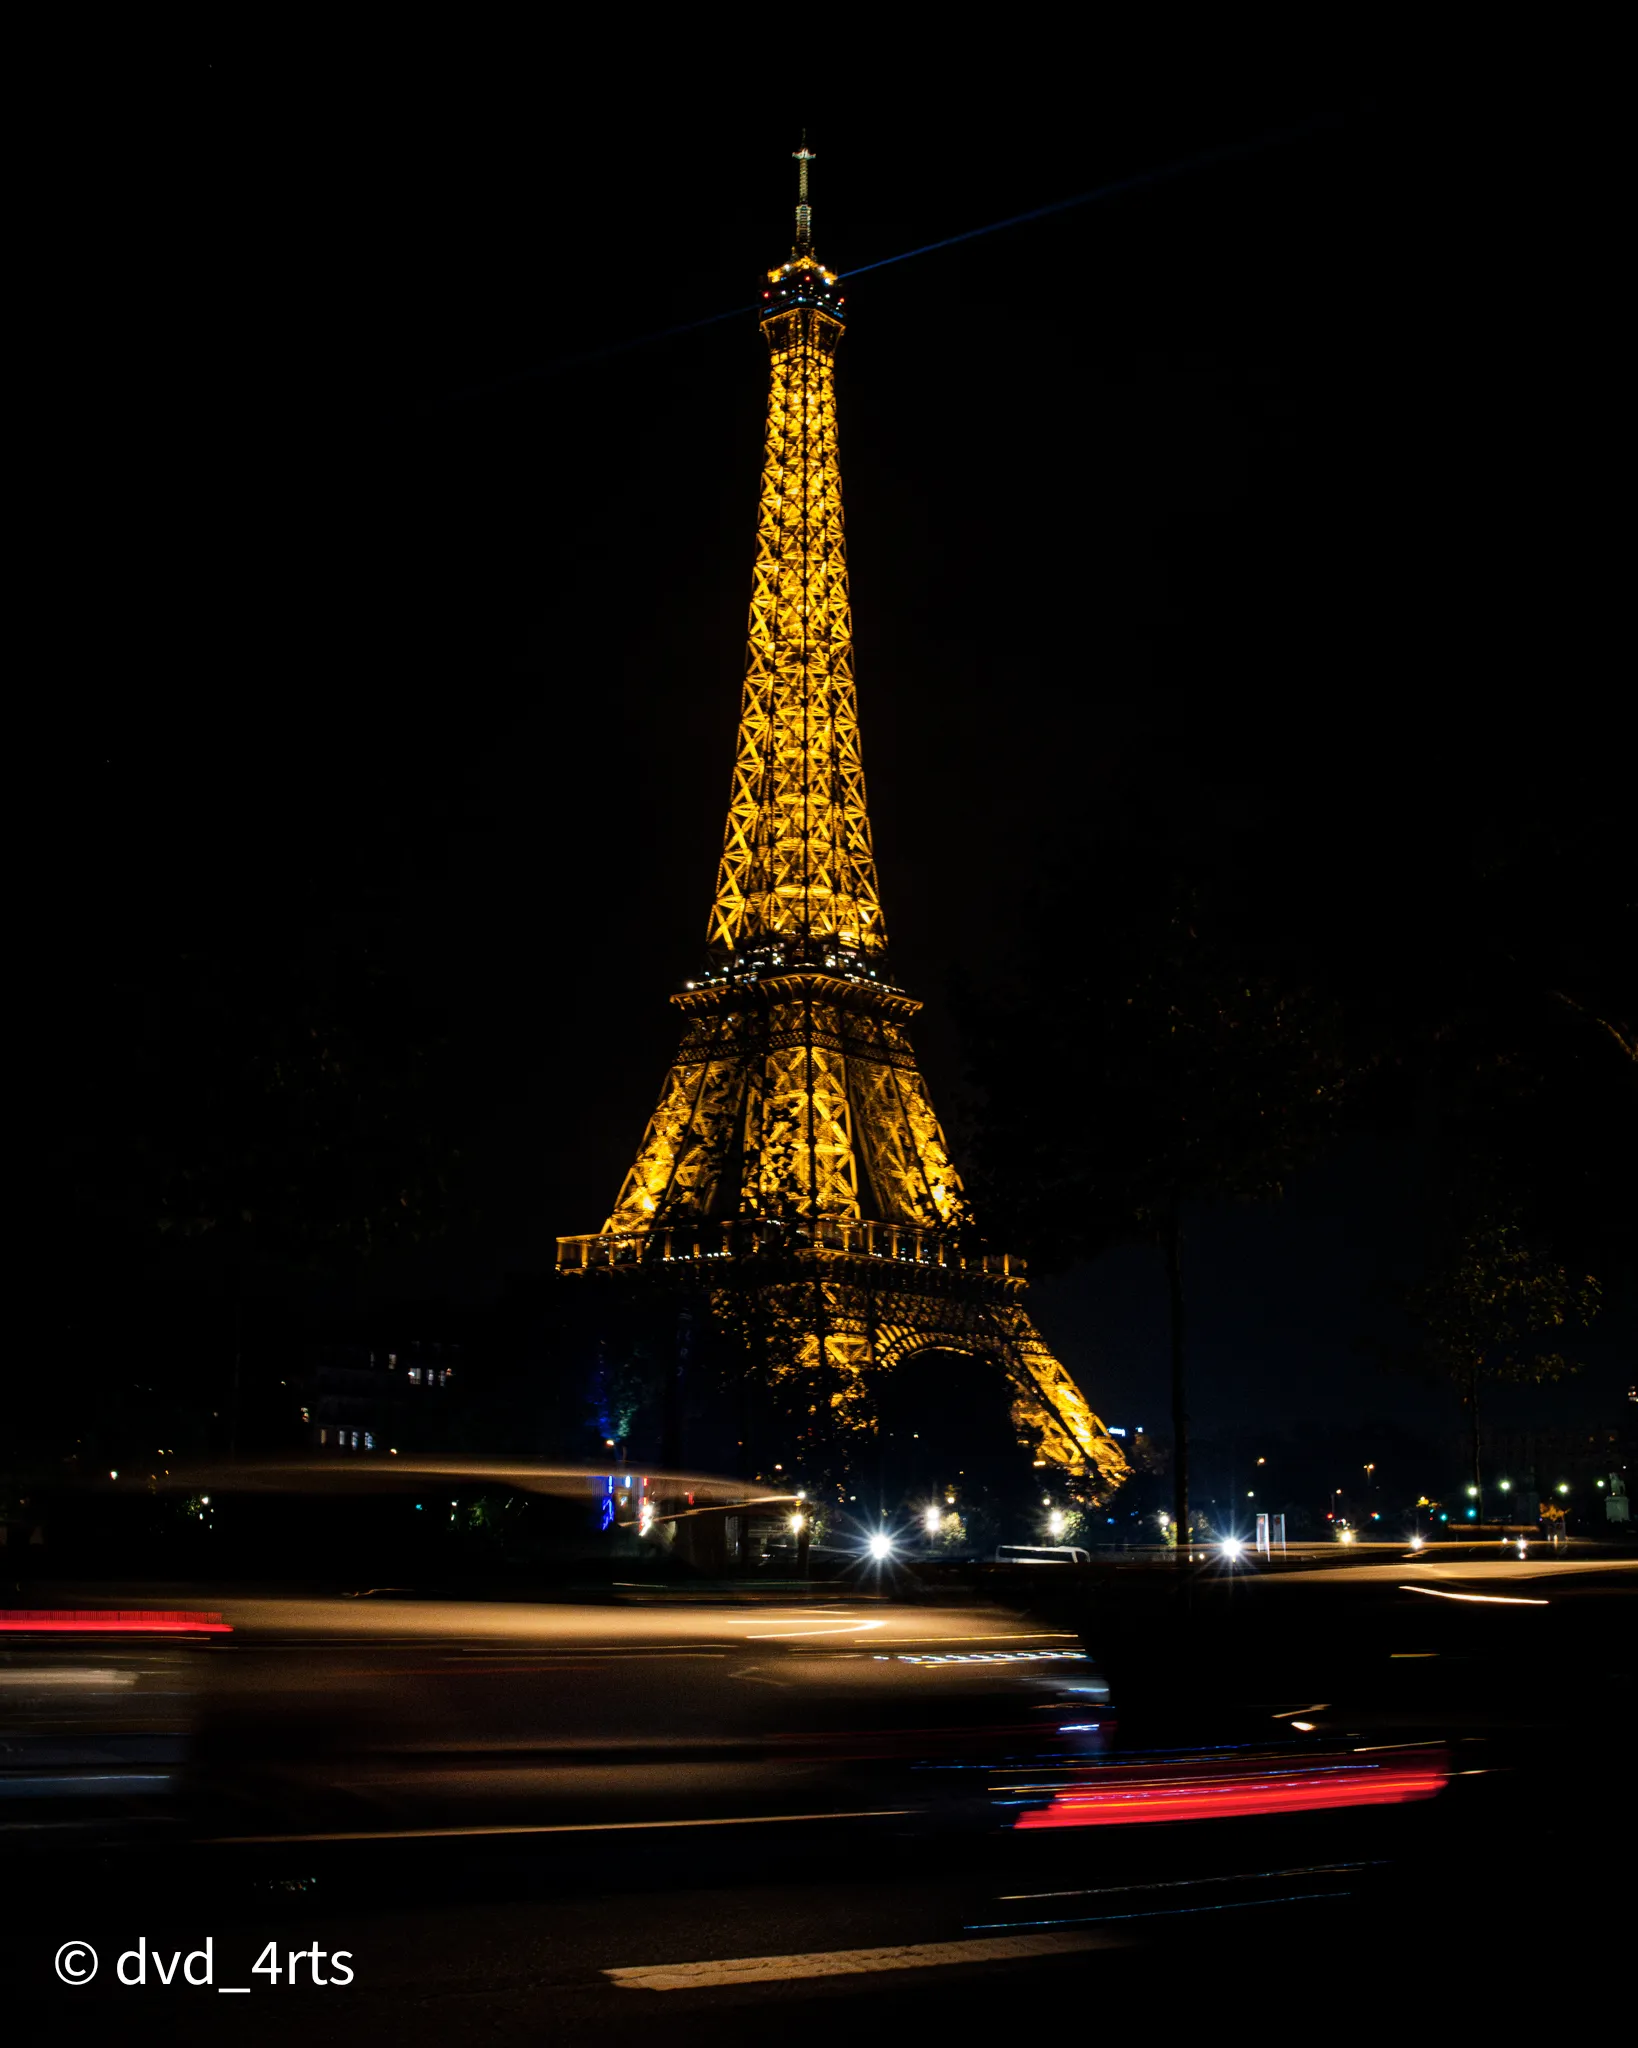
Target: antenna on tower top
x,y
804,213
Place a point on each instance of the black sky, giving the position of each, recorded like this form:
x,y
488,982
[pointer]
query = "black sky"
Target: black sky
x,y
387,636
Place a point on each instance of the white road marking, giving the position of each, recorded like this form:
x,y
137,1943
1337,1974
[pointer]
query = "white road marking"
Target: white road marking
x,y
851,1962
32,1681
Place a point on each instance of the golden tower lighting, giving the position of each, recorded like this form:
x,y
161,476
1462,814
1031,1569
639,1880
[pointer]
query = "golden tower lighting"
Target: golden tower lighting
x,y
794,1164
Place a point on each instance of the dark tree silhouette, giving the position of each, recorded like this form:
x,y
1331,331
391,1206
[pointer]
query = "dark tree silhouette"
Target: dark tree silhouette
x,y
1499,1312
1178,1069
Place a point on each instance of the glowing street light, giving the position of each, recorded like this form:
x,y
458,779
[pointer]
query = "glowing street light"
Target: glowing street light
x,y
881,1546
1057,1522
798,1523
933,1519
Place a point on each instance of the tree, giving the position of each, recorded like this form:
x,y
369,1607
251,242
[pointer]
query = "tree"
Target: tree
x,y
1496,1314
1182,1067
246,1125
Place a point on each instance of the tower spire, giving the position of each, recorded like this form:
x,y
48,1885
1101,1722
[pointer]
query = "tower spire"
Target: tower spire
x,y
804,212
798,874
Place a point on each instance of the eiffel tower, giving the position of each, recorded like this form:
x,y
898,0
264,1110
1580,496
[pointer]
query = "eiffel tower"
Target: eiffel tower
x,y
794,1166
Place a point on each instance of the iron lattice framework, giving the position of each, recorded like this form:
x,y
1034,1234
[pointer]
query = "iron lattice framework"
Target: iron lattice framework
x,y
794,1162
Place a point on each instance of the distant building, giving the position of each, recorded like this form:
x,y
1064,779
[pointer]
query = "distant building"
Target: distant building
x,y
373,1399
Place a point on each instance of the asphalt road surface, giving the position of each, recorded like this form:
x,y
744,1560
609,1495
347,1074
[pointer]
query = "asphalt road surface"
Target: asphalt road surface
x,y
698,1814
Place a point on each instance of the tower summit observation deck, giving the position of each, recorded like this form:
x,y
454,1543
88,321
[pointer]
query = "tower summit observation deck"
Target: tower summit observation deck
x,y
794,1165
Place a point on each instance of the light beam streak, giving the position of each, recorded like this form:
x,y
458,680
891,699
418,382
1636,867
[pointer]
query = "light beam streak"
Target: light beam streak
x,y
1116,188
1484,1599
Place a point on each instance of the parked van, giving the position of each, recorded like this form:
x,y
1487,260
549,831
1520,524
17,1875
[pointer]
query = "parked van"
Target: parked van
x,y
1041,1553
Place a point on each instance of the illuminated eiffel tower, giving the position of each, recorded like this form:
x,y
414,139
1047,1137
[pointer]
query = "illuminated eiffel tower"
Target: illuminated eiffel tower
x,y
794,1165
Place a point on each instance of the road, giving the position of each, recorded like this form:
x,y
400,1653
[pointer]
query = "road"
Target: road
x,y
700,1813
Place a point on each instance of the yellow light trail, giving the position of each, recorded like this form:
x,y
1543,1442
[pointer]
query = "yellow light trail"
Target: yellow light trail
x,y
1485,1599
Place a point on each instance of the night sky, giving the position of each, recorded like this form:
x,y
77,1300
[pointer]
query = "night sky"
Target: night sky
x,y
405,604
